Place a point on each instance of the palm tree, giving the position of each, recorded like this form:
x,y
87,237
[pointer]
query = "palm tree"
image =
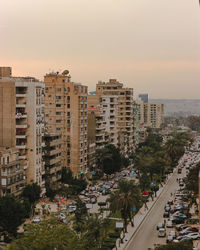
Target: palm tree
x,y
124,199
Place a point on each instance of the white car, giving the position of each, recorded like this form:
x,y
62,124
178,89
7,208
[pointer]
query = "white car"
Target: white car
x,y
169,224
194,236
36,219
161,232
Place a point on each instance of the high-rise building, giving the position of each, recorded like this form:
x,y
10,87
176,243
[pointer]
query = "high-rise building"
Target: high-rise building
x,y
125,118
22,121
52,157
153,114
30,127
144,98
7,108
66,113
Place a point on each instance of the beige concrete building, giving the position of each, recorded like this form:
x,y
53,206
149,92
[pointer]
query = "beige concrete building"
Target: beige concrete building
x,y
7,108
153,114
66,112
12,173
30,127
125,118
96,122
52,157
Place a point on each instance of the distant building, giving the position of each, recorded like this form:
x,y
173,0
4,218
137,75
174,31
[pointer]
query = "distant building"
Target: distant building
x,y
121,113
153,114
144,98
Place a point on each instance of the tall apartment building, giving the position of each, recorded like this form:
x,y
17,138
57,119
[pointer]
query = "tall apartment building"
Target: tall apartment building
x,y
153,114
52,158
30,127
96,122
66,113
7,108
125,117
22,121
12,172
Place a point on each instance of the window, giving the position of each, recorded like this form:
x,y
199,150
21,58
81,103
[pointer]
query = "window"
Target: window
x,y
68,106
58,105
58,113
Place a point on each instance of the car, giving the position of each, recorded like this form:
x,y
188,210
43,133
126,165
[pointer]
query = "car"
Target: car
x,y
170,202
62,216
181,227
71,209
194,236
169,238
160,225
177,220
36,219
167,208
166,214
173,234
161,232
169,224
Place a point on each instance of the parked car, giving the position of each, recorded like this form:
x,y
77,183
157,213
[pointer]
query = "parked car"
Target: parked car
x,y
166,214
169,238
169,224
161,232
160,225
36,219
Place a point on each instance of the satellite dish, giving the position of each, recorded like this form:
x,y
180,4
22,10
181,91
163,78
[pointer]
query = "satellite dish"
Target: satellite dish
x,y
65,72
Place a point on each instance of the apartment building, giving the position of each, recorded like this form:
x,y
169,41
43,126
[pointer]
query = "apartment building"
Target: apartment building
x,y
153,114
52,157
125,117
12,172
96,122
66,113
30,127
7,108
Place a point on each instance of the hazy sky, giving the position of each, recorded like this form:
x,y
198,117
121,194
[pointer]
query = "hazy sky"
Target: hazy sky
x,y
150,45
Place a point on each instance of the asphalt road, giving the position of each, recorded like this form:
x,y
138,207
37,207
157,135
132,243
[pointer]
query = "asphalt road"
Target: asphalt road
x,y
146,235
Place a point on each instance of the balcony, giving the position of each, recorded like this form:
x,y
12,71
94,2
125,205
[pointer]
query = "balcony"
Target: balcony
x,y
20,146
21,115
21,105
22,157
20,136
21,126
20,94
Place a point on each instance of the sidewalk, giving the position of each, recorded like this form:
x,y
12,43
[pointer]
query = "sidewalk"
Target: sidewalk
x,y
138,219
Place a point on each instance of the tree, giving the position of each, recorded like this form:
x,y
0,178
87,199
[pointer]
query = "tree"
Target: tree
x,y
12,213
109,159
124,199
176,246
81,211
49,234
191,181
32,192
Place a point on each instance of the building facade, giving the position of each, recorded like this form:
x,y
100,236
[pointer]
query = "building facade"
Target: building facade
x,y
66,113
52,157
12,172
30,127
125,117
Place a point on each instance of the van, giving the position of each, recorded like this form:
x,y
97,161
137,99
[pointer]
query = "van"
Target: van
x,y
161,232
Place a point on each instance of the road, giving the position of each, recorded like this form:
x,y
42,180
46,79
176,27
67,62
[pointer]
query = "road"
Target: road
x,y
146,235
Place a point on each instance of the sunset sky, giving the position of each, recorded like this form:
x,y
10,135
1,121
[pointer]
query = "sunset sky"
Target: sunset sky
x,y
150,45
